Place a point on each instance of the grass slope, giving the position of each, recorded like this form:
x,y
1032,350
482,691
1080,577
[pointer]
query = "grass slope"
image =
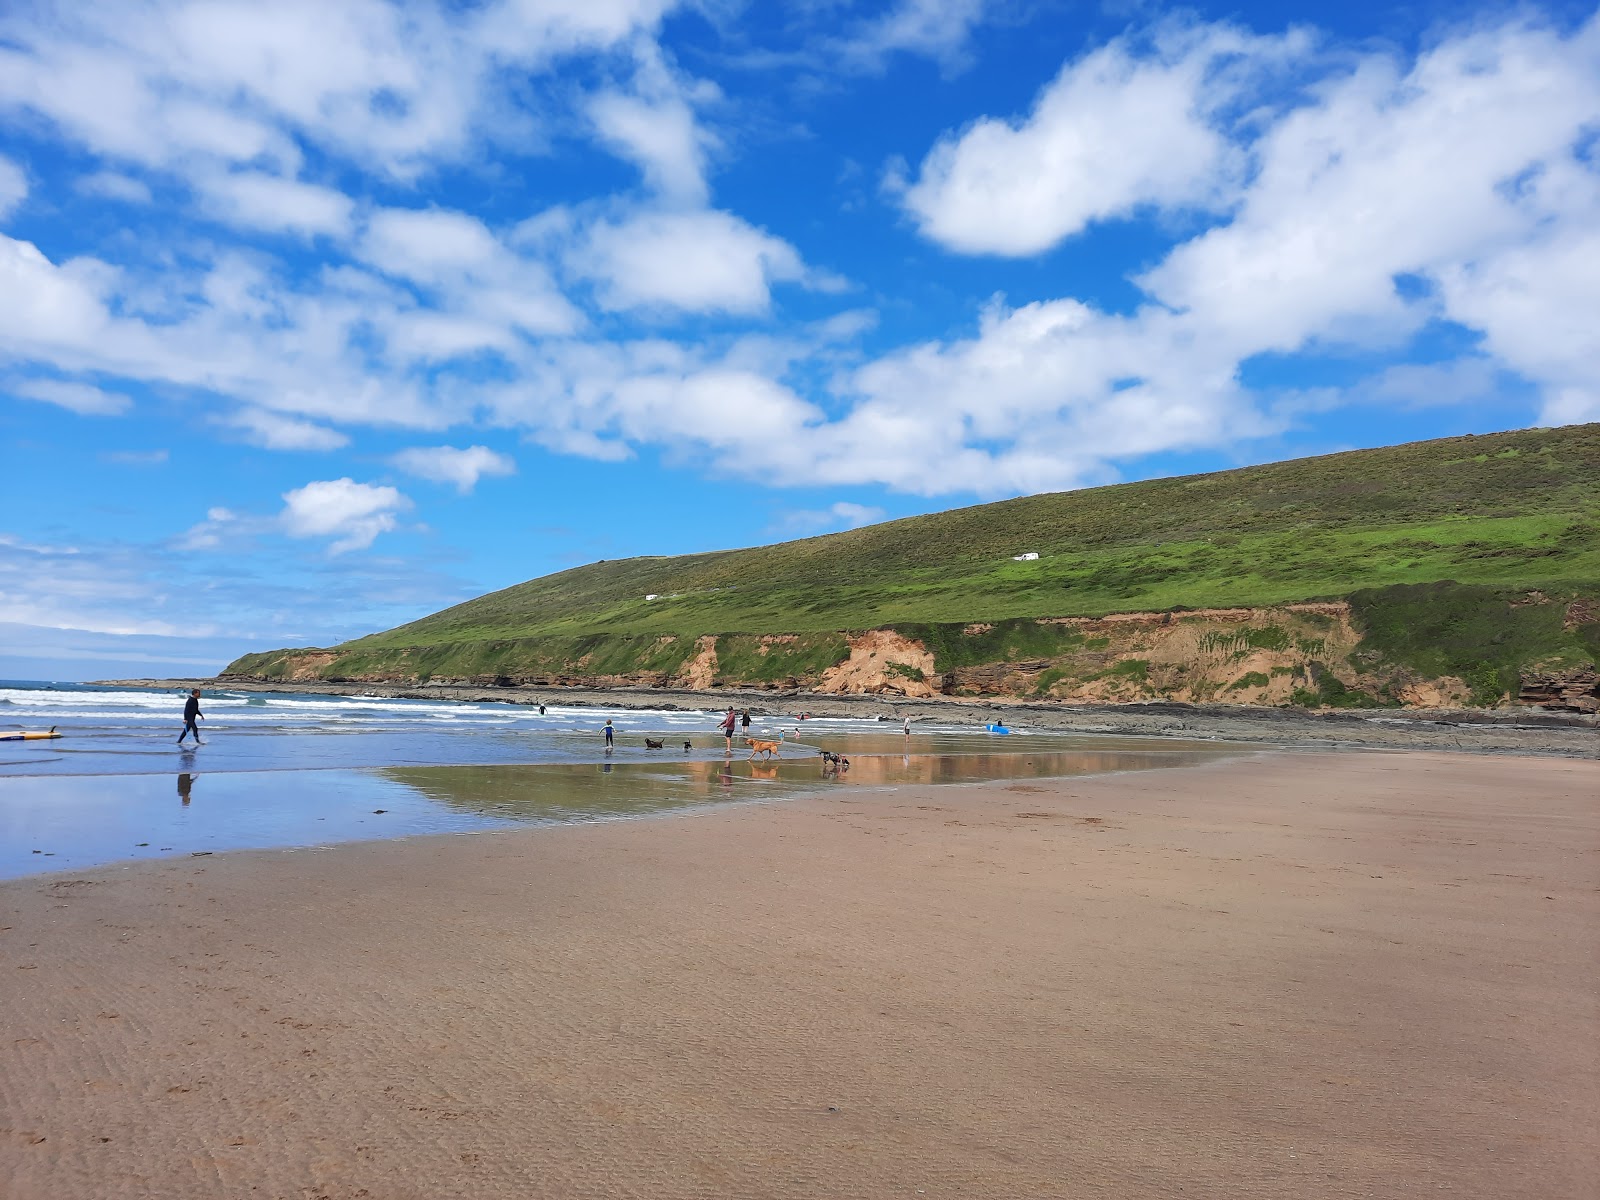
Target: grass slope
x,y
1507,510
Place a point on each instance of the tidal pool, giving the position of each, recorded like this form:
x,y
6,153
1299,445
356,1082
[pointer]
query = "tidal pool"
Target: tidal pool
x,y
60,822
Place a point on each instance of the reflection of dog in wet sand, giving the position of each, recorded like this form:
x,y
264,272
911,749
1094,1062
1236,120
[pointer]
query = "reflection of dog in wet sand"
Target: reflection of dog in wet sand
x,y
759,746
834,762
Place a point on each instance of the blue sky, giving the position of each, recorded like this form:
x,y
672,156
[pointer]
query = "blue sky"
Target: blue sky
x,y
316,318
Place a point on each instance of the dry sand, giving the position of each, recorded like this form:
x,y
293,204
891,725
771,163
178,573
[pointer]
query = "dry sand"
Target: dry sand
x,y
1287,976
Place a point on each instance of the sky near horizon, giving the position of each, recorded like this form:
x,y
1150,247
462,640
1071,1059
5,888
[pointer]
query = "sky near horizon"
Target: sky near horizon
x,y
315,318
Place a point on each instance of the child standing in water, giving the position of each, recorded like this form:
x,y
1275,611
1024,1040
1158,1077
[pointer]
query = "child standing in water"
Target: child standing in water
x,y
608,737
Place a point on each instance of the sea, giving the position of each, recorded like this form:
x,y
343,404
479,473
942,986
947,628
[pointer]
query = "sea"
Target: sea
x,y
305,772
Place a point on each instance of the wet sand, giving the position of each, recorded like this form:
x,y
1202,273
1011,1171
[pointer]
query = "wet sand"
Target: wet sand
x,y
1279,976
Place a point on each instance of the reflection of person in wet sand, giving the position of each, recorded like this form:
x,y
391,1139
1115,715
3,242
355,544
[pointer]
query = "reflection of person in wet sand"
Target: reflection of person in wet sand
x,y
185,783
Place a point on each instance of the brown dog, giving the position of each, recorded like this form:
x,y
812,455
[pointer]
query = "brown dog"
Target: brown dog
x,y
757,746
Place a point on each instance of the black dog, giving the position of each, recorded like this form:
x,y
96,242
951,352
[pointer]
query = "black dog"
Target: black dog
x,y
652,744
837,761
686,747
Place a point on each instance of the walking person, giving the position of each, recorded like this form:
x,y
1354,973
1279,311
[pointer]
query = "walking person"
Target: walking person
x,y
728,724
191,714
609,736
907,728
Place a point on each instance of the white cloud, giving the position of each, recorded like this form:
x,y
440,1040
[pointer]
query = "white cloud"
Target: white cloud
x,y
1388,172
82,398
13,187
706,261
447,464
209,534
1116,130
64,587
484,287
256,200
114,185
428,246
351,513
1535,300
936,29
841,515
395,87
275,431
1374,194
654,125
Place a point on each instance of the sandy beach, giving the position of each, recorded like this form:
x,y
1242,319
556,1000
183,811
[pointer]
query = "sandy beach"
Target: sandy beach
x,y
1286,975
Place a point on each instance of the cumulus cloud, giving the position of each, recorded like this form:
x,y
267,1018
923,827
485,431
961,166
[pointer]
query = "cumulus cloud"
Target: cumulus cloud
x,y
1327,201
655,126
350,513
82,398
447,464
256,200
483,288
276,431
1116,130
394,87
705,261
1392,172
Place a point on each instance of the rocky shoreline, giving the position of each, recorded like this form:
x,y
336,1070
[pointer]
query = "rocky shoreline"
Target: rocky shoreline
x,y
1475,730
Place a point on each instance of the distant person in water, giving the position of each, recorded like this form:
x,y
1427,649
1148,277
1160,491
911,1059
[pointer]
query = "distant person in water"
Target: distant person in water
x,y
541,710
609,735
191,714
728,723
908,726
745,720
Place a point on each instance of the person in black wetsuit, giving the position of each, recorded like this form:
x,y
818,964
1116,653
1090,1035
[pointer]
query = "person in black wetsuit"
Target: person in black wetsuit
x,y
192,714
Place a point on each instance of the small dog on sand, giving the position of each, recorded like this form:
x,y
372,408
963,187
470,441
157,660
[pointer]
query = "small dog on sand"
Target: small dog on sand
x,y
686,747
760,746
837,761
652,744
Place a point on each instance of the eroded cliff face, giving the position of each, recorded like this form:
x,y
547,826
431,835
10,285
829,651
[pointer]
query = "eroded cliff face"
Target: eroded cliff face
x,y
1228,655
882,660
1303,654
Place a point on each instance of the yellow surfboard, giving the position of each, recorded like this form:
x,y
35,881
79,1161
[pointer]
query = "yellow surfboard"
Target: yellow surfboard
x,y
30,735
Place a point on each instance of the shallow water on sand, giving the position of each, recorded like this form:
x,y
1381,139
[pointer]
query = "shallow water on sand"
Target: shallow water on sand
x,y
307,771
53,823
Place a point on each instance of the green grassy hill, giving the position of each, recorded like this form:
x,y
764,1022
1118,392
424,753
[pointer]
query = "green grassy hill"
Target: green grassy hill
x,y
1513,511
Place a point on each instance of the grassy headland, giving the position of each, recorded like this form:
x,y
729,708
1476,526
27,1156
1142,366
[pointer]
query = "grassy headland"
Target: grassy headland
x,y
1498,516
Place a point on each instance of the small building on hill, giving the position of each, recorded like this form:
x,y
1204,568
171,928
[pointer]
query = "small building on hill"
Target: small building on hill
x,y
1028,557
